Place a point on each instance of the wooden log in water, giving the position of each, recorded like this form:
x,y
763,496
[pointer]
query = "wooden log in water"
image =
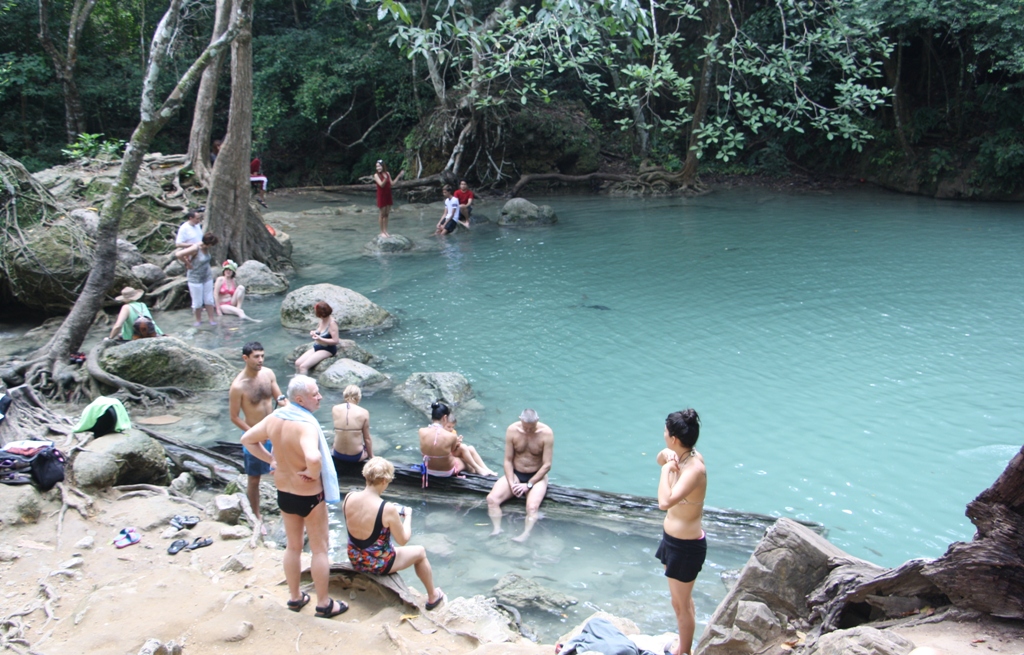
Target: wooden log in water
x,y
619,513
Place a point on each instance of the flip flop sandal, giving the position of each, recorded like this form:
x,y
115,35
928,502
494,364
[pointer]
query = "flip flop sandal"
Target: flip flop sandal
x,y
437,602
177,522
129,537
296,605
188,521
177,546
328,611
200,542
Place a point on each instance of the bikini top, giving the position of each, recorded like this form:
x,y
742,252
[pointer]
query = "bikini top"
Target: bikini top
x,y
684,501
380,537
225,290
347,407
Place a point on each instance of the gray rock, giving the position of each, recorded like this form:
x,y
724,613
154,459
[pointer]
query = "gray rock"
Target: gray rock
x,y
441,521
268,494
231,532
771,594
154,647
128,254
259,280
89,220
169,362
131,457
226,509
862,640
150,274
521,592
7,555
353,311
520,212
174,268
19,504
286,243
384,245
184,484
344,372
421,390
75,562
347,349
85,543
480,617
238,563
435,543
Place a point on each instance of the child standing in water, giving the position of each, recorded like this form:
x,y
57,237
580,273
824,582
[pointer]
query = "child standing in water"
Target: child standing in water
x,y
681,491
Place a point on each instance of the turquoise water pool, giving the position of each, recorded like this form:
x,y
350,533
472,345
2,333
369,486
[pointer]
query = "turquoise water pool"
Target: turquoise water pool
x,y
854,356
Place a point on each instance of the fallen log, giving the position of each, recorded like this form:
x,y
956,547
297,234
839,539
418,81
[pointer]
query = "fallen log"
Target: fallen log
x,y
571,179
372,188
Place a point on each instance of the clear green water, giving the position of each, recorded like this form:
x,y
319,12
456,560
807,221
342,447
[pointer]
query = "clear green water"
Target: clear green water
x,y
855,359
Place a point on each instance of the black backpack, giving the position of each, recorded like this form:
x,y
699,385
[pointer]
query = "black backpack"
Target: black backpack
x,y
48,468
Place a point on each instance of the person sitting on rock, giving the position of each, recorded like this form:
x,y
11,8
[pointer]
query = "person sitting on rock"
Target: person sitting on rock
x,y
134,320
325,340
444,454
257,178
229,294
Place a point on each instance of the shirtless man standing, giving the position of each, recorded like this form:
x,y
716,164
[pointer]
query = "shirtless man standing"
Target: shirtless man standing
x,y
529,447
253,392
298,465
681,490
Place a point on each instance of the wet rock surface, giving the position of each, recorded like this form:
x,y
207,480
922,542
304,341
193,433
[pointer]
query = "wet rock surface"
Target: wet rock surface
x,y
167,361
353,311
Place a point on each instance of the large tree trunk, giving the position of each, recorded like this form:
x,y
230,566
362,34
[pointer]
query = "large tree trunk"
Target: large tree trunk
x,y
206,98
700,110
230,214
64,63
153,116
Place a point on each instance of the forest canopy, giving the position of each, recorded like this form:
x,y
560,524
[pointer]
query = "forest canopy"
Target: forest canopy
x,y
495,90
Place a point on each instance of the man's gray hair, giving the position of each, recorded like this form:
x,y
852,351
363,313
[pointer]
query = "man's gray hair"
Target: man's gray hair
x,y
529,416
300,384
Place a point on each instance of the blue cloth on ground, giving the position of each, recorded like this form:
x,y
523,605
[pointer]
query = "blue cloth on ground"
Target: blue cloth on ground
x,y
601,636
328,477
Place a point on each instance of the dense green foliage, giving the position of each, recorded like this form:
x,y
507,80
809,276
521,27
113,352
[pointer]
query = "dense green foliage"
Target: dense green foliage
x,y
928,89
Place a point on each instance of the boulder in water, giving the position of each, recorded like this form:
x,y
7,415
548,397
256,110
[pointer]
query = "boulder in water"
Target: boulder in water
x,y
344,372
168,362
521,592
354,312
519,212
390,244
421,390
259,280
131,457
347,349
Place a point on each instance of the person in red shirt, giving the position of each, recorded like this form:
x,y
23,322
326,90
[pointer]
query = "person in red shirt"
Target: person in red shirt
x,y
465,198
256,176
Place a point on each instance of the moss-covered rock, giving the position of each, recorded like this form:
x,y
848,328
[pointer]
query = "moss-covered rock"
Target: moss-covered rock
x,y
166,362
554,138
353,311
128,458
520,212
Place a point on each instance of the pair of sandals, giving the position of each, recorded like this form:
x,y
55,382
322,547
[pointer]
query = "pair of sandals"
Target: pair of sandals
x,y
179,545
332,609
128,537
179,522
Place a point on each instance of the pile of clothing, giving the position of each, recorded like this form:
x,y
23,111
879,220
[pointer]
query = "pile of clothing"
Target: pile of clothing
x,y
31,462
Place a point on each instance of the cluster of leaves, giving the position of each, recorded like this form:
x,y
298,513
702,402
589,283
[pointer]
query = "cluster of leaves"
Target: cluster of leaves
x,y
93,145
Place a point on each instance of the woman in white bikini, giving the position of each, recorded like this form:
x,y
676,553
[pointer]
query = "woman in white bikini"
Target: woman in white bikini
x,y
681,491
444,454
352,442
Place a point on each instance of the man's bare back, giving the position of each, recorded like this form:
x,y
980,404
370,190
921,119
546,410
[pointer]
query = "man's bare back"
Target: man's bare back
x,y
296,456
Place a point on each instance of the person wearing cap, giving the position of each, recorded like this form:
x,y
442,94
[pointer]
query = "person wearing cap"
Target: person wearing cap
x,y
529,448
134,320
228,293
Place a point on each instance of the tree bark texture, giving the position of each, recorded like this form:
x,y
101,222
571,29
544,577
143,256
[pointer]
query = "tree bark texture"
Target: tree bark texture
x,y
229,212
206,98
987,574
700,110
153,117
64,63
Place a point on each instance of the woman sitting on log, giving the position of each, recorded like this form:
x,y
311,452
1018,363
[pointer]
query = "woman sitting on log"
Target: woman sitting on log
x,y
229,294
444,454
352,442
134,320
367,514
325,340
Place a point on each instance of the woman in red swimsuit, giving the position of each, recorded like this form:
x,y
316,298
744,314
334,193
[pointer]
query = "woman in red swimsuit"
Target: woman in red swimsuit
x,y
367,514
382,178
229,294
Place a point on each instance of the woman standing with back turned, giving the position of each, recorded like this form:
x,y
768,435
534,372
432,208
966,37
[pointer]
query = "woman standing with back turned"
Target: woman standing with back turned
x,y
681,491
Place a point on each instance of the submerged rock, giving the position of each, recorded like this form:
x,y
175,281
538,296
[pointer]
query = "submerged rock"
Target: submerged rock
x,y
421,390
131,457
520,212
382,245
353,311
522,592
259,280
167,361
344,372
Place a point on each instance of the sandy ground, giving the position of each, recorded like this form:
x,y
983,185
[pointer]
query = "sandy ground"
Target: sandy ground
x,y
109,601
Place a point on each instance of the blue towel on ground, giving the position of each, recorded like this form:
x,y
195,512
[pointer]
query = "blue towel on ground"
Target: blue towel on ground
x,y
329,478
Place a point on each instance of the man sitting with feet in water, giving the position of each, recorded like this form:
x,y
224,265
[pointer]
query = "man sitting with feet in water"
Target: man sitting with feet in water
x,y
301,464
529,447
253,393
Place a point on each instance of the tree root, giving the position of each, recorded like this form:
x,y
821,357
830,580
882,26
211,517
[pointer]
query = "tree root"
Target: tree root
x,y
12,628
257,525
30,418
71,497
132,391
147,490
